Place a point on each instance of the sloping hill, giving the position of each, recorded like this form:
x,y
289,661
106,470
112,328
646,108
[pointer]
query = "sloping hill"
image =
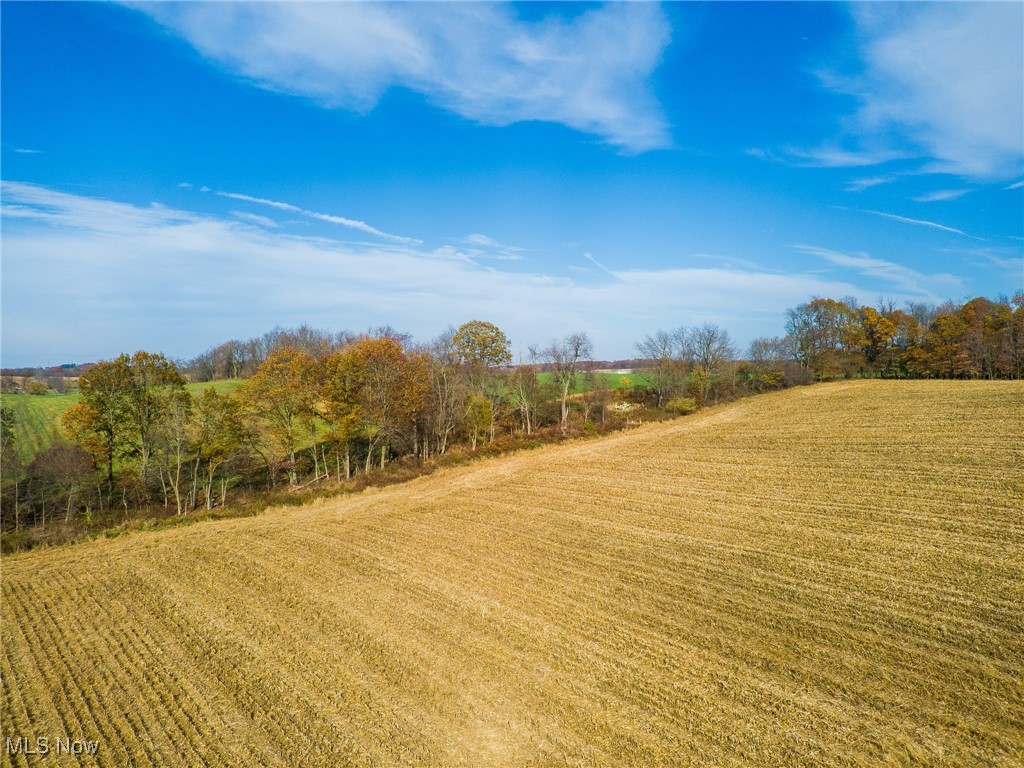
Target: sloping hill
x,y
824,576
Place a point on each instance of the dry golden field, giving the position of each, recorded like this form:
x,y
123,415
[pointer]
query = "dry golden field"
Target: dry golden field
x,y
829,576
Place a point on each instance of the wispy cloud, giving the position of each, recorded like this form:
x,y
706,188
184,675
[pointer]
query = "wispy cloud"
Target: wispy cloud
x,y
941,195
1009,260
23,151
1015,185
253,218
918,222
947,79
362,226
729,262
484,240
859,185
261,201
903,278
589,257
834,157
171,280
484,247
590,72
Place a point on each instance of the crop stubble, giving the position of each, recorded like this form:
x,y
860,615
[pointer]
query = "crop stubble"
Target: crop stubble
x,y
824,576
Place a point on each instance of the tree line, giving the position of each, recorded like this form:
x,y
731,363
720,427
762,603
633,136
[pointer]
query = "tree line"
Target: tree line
x,y
315,406
980,339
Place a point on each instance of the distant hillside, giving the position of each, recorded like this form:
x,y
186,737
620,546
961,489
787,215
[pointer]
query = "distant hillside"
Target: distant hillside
x,y
825,576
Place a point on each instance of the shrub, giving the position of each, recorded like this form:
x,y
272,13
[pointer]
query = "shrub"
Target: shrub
x,y
681,405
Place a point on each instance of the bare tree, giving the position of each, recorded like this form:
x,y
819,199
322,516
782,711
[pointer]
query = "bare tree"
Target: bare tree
x,y
526,390
449,390
666,357
710,347
567,359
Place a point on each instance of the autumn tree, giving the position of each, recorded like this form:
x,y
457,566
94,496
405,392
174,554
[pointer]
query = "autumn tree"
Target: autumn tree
x,y
280,394
392,391
478,418
903,356
122,406
219,434
482,347
826,336
1017,337
101,420
340,382
156,387
981,338
174,449
878,334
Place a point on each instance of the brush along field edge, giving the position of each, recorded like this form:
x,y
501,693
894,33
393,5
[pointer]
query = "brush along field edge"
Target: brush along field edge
x,y
821,576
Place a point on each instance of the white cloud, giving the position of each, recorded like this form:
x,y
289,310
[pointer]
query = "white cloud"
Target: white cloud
x,y
589,257
22,151
949,79
175,281
1015,185
484,240
362,226
859,185
590,72
252,218
484,247
903,278
1009,260
834,157
918,222
941,195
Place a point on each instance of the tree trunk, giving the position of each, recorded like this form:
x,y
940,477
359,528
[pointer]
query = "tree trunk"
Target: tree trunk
x,y
316,457
67,514
565,406
209,486
195,483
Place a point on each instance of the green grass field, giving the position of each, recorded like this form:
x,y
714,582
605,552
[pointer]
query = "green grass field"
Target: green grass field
x,y
36,420
37,417
602,381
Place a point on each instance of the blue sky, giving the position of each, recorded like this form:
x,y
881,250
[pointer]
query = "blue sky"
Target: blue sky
x,y
175,175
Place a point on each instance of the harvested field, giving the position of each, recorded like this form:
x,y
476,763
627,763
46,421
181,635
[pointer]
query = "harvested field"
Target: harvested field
x,y
829,576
